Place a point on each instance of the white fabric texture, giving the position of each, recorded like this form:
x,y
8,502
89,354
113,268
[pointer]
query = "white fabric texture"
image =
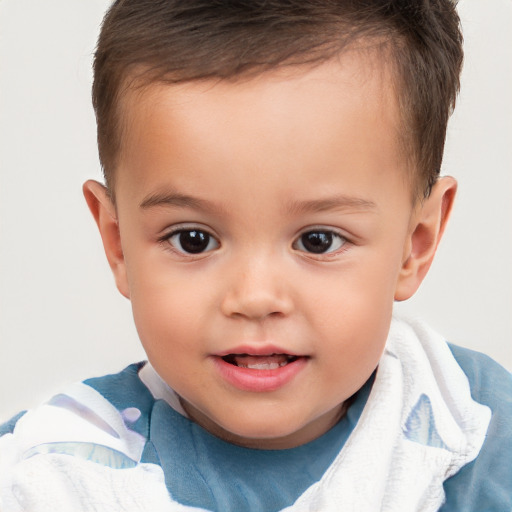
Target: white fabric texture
x,y
159,388
418,428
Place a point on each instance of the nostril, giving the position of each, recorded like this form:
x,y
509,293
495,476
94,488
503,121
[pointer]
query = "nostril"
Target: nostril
x,y
256,296
256,306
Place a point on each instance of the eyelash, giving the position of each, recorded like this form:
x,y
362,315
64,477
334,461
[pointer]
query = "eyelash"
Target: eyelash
x,y
167,239
330,235
205,239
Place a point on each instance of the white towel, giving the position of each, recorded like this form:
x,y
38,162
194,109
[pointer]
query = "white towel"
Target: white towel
x,y
418,428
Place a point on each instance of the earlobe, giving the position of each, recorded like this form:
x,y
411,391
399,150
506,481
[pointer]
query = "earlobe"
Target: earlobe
x,y
104,213
427,228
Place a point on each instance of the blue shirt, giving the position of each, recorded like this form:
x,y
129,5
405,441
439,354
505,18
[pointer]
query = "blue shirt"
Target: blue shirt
x,y
204,471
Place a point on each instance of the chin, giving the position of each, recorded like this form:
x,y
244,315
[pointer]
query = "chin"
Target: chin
x,y
263,435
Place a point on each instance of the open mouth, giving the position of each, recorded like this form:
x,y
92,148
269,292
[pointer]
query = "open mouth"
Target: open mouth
x,y
265,362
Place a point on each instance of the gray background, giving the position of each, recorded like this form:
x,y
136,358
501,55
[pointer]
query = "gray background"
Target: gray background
x,y
61,318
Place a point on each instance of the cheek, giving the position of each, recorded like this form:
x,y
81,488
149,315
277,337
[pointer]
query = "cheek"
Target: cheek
x,y
355,348
165,309
357,294
354,317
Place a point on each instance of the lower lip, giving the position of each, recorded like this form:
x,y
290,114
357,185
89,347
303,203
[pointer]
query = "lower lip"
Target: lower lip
x,y
260,381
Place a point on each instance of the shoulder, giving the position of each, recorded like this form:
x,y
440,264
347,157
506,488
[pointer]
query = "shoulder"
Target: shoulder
x,y
485,483
110,411
84,444
488,379
8,426
120,389
490,385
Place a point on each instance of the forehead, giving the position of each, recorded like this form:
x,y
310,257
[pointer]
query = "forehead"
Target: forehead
x,y
288,119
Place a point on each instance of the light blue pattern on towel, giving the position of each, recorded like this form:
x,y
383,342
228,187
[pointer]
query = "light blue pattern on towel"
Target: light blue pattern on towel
x,y
420,426
88,451
81,410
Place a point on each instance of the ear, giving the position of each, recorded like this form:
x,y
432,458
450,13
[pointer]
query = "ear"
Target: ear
x,y
427,227
104,213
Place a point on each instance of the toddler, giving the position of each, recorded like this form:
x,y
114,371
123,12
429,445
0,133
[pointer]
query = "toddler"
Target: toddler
x,y
271,188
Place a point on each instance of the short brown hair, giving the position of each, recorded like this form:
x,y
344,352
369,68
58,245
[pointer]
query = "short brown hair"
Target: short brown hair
x,y
185,40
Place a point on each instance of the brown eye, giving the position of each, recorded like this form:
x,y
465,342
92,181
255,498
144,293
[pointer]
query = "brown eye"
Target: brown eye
x,y
319,242
192,241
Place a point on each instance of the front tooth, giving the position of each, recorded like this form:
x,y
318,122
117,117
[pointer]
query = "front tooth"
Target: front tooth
x,y
263,366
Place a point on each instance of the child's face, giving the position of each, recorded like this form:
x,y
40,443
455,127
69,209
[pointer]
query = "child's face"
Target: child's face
x,y
262,217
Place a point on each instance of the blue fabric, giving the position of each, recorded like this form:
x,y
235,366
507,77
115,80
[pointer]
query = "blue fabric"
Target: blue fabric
x,y
485,485
9,425
198,465
124,390
202,470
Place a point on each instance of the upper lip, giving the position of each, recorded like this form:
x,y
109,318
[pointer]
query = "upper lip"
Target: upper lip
x,y
257,350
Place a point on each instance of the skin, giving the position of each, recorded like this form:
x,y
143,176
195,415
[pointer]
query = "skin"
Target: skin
x,y
256,163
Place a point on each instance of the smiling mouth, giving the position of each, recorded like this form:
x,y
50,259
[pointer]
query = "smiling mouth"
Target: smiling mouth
x,y
264,362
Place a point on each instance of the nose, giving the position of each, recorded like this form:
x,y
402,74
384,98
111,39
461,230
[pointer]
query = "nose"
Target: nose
x,y
256,289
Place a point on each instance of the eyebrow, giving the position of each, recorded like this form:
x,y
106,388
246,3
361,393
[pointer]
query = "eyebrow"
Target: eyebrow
x,y
176,199
340,202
